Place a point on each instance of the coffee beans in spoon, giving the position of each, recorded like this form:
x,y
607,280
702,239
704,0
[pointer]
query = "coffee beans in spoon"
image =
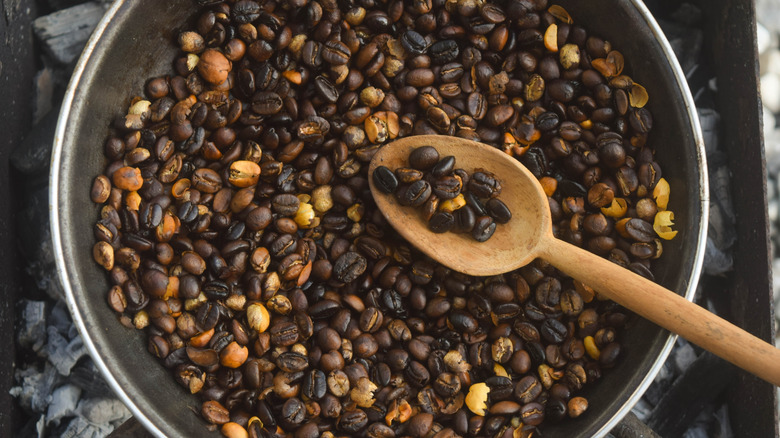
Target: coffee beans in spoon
x,y
449,198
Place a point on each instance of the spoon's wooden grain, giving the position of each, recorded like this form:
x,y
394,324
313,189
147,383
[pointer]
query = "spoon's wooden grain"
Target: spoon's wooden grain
x,y
529,235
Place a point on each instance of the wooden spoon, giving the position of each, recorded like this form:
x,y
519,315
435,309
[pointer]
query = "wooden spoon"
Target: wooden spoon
x,y
528,235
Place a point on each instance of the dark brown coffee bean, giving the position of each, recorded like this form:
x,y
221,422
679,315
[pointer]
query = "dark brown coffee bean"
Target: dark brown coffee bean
x,y
465,218
444,51
291,362
349,266
314,384
484,227
416,374
498,210
484,184
640,230
407,175
213,412
413,42
415,194
553,331
420,425
385,179
477,106
266,103
528,389
365,345
371,320
284,333
423,158
353,421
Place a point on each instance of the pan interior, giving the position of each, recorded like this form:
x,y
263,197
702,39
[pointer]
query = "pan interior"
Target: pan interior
x,y
137,45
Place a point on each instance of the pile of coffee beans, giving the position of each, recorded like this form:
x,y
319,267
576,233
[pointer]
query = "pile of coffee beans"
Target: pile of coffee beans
x,y
239,231
449,198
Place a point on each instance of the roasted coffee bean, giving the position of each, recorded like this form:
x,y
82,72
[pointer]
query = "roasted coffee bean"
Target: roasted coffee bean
x,y
416,194
353,421
413,42
284,333
267,103
385,179
349,266
443,167
441,222
484,184
416,374
500,388
291,362
423,158
444,51
498,210
484,227
553,331
464,219
407,175
447,187
640,230
293,411
314,384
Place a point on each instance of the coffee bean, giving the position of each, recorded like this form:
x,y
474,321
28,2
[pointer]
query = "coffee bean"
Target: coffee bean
x,y
423,157
349,266
444,51
413,42
441,222
416,194
498,210
484,227
385,180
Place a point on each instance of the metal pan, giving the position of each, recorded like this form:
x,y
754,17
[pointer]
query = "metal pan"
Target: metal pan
x,y
135,41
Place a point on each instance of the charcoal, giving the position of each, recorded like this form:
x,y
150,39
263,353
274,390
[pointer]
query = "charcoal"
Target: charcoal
x,y
686,42
683,356
63,403
63,353
79,427
65,33
32,157
32,327
102,410
84,375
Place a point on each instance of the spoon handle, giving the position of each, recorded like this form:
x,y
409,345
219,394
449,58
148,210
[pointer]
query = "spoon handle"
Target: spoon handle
x,y
667,309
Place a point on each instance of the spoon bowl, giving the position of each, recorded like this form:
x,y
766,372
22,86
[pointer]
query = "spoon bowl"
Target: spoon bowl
x,y
513,244
528,235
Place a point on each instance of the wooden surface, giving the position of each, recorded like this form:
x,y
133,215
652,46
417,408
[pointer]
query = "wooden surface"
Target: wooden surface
x,y
730,47
17,68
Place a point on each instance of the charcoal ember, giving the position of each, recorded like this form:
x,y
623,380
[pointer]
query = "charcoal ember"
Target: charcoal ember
x,y
34,387
32,327
65,33
101,411
83,375
63,403
64,353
